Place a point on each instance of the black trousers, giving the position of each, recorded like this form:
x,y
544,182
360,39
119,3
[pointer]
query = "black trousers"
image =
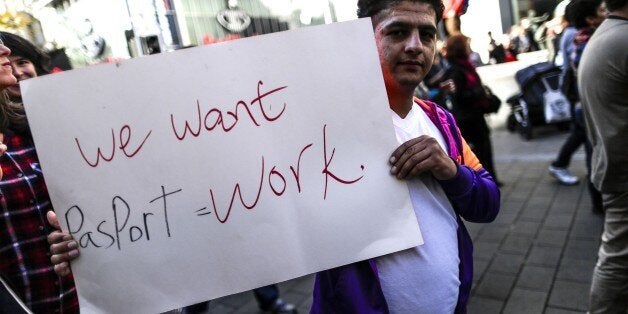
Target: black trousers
x,y
577,137
265,296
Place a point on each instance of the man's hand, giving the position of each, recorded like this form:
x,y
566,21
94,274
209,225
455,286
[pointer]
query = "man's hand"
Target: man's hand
x,y
62,246
419,155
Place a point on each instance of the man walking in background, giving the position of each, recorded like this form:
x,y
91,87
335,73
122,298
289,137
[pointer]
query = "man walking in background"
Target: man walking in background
x,y
603,86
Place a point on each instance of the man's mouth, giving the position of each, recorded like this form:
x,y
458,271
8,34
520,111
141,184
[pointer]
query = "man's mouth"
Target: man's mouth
x,y
411,63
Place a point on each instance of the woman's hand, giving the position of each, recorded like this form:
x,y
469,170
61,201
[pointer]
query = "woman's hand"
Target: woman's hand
x,y
63,247
3,148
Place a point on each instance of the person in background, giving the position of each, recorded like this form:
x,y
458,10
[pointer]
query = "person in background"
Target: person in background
x,y
586,15
439,87
566,46
496,52
474,56
452,11
603,87
560,166
445,180
24,253
469,100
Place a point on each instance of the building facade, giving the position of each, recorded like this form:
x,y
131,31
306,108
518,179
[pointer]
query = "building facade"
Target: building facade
x,y
94,31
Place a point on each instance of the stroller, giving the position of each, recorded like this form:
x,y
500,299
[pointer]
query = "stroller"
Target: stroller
x,y
539,85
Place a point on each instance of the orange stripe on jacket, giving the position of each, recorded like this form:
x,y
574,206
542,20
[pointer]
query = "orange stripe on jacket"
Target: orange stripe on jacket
x,y
469,157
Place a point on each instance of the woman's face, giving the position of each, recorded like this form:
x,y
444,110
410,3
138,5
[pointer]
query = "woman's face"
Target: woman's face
x,y
22,69
6,71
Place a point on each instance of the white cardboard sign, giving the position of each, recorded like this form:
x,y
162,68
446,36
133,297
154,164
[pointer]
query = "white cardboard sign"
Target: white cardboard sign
x,y
191,175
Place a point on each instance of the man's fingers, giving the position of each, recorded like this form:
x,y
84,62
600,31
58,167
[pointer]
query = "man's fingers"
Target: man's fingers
x,y
424,165
414,160
406,150
409,154
52,219
402,149
419,155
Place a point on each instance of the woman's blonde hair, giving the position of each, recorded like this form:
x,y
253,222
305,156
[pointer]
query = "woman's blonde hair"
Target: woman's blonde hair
x,y
12,115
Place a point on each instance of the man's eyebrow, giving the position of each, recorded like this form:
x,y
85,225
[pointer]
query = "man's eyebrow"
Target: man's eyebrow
x,y
395,24
402,24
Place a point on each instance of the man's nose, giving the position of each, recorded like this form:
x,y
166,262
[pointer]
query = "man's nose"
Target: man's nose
x,y
414,44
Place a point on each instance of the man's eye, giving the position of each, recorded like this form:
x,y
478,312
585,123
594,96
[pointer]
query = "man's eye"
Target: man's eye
x,y
398,33
428,35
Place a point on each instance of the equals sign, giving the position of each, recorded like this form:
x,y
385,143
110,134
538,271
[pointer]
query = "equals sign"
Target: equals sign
x,y
201,213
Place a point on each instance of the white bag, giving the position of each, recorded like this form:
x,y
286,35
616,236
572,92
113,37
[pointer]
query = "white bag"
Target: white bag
x,y
555,104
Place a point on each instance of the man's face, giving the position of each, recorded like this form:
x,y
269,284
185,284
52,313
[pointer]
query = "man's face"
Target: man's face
x,y
600,15
406,37
22,69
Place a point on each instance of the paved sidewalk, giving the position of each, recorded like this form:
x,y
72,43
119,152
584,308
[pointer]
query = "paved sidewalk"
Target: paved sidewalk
x,y
537,257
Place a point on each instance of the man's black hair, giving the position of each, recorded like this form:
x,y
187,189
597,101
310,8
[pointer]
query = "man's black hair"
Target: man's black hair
x,y
581,10
569,14
25,49
614,5
373,7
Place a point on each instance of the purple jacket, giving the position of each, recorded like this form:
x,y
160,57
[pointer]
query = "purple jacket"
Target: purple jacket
x,y
355,288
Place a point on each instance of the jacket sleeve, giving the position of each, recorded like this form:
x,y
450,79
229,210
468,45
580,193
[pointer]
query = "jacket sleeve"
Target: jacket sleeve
x,y
472,192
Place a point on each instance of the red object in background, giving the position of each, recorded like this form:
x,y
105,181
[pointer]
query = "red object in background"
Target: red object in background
x,y
208,39
455,7
56,70
111,59
510,56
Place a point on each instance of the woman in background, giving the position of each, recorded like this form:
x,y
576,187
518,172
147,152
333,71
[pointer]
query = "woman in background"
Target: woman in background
x,y
469,101
24,201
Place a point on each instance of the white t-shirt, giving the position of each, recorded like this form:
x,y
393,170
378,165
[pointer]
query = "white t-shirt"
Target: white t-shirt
x,y
424,279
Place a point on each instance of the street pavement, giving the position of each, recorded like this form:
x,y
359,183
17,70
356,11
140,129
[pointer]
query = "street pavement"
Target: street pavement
x,y
538,255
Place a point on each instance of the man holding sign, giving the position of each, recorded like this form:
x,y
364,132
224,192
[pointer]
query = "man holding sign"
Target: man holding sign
x,y
445,180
